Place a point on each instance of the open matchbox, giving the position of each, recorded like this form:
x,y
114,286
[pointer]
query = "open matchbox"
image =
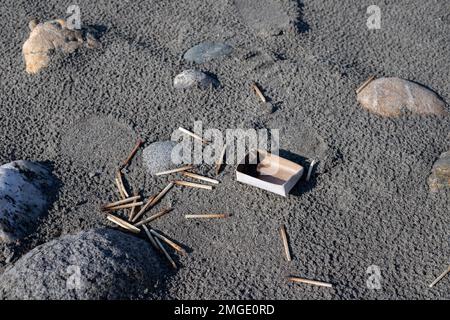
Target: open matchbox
x,y
269,172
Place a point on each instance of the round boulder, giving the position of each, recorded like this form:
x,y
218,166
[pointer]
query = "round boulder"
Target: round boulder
x,y
93,264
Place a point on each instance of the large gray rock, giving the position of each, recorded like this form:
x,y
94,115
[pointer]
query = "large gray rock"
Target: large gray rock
x,y
207,51
440,177
94,264
26,189
190,78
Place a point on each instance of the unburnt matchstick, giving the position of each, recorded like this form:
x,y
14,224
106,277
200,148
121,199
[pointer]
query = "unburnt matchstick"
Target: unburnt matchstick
x,y
365,84
120,202
139,143
124,206
259,93
188,167
121,186
192,185
285,243
219,160
152,201
440,277
153,217
199,177
122,195
123,223
193,135
312,282
311,166
207,216
175,246
133,210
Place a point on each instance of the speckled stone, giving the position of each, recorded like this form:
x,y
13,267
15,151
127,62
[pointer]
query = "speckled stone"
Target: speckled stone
x,y
190,78
440,176
207,51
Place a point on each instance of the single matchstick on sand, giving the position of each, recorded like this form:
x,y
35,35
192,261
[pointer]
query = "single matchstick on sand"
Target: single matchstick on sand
x,y
192,185
118,203
258,92
312,282
121,186
188,167
311,167
193,135
206,216
152,201
440,277
139,143
122,195
285,243
124,206
361,87
123,223
175,246
153,217
133,210
219,161
199,177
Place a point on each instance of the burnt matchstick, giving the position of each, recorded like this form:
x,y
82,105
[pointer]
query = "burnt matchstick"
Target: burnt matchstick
x,y
193,135
285,243
124,206
118,203
188,167
312,282
152,240
152,201
153,217
440,277
133,210
169,258
192,185
175,246
258,92
121,186
365,84
123,223
199,177
311,166
139,143
207,216
219,160
122,195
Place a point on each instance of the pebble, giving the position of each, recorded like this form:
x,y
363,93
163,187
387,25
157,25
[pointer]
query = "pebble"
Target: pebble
x,y
440,176
389,97
25,195
207,51
190,78
90,265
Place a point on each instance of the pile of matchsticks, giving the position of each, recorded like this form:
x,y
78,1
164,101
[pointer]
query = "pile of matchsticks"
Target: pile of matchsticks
x,y
135,208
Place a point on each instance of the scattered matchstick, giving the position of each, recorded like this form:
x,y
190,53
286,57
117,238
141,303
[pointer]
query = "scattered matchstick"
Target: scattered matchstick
x,y
118,203
220,159
312,282
152,201
122,195
153,217
285,243
124,206
121,185
174,265
440,277
193,135
199,177
365,84
123,223
152,240
259,93
139,143
133,210
206,216
175,246
188,167
311,166
192,185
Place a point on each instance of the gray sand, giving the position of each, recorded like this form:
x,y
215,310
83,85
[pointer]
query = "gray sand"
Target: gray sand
x,y
368,202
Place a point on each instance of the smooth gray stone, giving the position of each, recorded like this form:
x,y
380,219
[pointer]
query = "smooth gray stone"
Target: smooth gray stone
x,y
26,191
190,78
94,264
207,51
440,176
157,157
